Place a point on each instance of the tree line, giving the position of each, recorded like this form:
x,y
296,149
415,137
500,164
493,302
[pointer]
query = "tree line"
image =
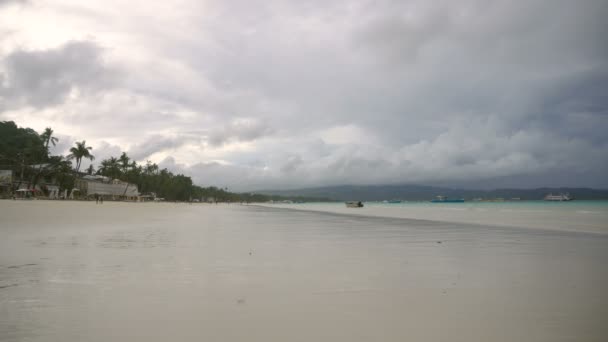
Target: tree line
x,y
27,154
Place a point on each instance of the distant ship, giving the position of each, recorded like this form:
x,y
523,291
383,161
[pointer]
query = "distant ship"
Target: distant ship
x,y
444,199
560,197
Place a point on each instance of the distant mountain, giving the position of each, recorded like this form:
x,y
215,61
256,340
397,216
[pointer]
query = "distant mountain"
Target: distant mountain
x,y
421,193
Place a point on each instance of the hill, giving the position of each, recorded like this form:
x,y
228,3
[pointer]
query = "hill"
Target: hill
x,y
422,193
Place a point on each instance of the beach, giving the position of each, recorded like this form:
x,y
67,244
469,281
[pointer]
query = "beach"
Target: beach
x,y
576,216
80,271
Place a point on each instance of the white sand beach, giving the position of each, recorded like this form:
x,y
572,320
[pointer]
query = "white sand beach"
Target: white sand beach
x,y
77,271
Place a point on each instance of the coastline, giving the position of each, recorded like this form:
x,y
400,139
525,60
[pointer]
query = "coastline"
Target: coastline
x,y
550,217
557,219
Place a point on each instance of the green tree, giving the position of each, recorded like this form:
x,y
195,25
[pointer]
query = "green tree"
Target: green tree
x,y
124,162
19,149
48,139
81,150
110,168
150,168
61,169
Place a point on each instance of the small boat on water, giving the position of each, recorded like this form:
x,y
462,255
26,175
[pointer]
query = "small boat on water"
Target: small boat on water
x,y
559,198
354,204
444,199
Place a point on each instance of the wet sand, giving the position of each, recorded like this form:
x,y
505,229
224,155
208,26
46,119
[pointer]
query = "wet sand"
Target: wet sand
x,y
77,271
578,216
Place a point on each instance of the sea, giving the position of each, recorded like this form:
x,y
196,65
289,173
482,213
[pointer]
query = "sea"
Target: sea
x,y
81,271
578,216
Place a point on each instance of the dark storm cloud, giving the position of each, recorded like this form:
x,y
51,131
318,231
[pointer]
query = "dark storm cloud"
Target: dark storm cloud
x,y
576,107
290,93
42,78
473,59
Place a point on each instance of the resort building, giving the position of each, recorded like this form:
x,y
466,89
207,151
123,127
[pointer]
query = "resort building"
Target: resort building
x,y
91,186
11,185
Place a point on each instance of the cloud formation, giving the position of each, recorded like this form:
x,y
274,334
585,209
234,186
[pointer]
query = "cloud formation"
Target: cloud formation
x,y
283,94
46,77
241,130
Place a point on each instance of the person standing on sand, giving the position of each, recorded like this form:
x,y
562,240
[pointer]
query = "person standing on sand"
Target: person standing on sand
x,y
96,199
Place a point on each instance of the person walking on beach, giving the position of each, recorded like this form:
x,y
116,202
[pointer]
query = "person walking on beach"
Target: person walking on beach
x,y
96,199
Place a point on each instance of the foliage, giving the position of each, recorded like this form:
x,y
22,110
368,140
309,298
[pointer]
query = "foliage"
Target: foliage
x,y
81,150
48,139
60,169
27,153
19,147
149,178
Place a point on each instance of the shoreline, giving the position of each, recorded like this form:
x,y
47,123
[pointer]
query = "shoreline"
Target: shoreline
x,y
569,221
574,220
153,271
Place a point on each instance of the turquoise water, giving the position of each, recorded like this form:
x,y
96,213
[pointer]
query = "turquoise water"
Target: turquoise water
x,y
571,205
579,216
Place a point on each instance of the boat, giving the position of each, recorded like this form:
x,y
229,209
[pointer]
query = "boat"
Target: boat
x,y
560,198
354,204
444,199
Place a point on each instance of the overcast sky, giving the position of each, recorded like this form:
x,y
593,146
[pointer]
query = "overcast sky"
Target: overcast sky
x,y
285,94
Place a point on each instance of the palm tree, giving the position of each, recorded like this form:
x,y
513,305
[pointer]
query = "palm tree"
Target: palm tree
x,y
62,170
48,138
79,152
124,163
110,168
151,168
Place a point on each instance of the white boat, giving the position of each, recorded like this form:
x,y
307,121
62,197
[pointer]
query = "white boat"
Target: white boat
x,y
560,197
354,204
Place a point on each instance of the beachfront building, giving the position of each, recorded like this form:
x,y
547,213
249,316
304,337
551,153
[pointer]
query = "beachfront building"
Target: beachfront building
x,y
41,183
91,186
47,183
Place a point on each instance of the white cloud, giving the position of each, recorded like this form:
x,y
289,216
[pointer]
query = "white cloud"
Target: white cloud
x,y
288,93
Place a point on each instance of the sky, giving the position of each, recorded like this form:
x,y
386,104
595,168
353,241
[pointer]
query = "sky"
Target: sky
x,y
273,94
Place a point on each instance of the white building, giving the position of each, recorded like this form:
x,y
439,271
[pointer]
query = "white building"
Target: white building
x,y
91,186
